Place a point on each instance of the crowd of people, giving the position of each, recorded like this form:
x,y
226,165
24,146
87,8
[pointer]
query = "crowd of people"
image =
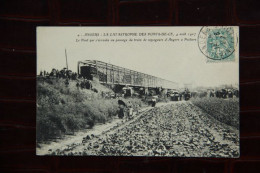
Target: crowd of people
x,y
64,73
68,75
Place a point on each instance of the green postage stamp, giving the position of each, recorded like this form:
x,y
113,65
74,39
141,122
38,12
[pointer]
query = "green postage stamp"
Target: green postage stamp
x,y
218,43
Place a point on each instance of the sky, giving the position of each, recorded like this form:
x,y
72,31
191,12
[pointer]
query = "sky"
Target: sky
x,y
180,62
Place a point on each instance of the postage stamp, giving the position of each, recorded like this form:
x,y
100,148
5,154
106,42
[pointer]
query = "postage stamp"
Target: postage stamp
x,y
218,43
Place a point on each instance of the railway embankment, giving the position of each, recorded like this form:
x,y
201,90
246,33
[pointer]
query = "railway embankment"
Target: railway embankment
x,y
63,108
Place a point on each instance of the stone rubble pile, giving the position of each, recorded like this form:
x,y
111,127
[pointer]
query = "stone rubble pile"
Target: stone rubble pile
x,y
178,130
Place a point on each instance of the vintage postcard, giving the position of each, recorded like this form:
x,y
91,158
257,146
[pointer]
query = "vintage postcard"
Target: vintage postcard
x,y
138,91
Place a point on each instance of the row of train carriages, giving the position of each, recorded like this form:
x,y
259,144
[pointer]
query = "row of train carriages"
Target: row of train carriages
x,y
111,74
132,83
125,82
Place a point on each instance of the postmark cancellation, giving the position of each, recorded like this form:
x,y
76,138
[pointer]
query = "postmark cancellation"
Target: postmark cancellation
x,y
218,43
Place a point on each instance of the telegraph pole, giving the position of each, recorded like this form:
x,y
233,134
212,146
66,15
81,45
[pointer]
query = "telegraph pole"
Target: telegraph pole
x,y
66,59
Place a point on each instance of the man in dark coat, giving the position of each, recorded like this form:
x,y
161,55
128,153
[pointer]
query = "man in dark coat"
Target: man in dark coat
x,y
122,106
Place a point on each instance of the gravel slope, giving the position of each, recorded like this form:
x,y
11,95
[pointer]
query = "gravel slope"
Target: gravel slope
x,y
178,129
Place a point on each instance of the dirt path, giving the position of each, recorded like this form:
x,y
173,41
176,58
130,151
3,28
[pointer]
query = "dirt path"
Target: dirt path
x,y
171,129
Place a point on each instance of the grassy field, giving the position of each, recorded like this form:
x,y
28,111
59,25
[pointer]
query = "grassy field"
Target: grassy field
x,y
65,109
224,110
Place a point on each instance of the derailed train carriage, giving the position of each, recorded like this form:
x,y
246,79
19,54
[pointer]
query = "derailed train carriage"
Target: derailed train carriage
x,y
107,73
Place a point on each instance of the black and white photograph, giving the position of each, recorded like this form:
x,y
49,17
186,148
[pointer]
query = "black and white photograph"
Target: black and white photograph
x,y
138,91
